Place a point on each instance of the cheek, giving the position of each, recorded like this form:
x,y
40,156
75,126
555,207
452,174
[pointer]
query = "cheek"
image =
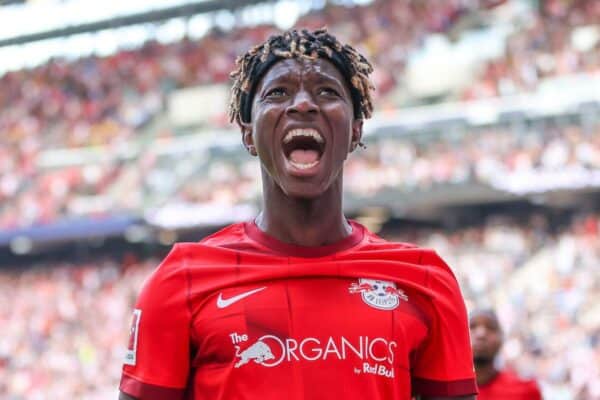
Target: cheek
x,y
340,120
338,111
496,342
264,127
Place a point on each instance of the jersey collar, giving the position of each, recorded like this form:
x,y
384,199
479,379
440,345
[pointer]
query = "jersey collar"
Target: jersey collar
x,y
293,250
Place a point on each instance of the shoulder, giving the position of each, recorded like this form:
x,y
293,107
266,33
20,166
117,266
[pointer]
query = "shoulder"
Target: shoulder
x,y
515,380
427,260
232,237
437,268
508,379
424,258
174,267
229,234
167,277
372,241
424,265
414,253
507,376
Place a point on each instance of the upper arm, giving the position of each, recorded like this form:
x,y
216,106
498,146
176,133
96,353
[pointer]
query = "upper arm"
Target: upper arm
x,y
443,363
158,354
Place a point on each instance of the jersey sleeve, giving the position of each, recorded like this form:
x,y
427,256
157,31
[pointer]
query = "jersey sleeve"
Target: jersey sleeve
x,y
535,391
443,364
157,359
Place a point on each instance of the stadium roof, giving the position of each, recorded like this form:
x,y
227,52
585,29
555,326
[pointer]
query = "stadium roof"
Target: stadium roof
x,y
28,23
9,2
33,33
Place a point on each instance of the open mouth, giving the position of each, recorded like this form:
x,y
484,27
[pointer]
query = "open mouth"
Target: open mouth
x,y
303,147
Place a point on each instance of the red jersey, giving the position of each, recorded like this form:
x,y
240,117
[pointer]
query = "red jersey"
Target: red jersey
x,y
242,315
508,386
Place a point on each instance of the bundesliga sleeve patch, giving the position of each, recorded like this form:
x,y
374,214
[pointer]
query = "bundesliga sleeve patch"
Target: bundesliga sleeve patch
x,y
133,338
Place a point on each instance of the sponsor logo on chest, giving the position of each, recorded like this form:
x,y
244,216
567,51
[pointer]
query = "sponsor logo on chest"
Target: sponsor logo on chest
x,y
374,354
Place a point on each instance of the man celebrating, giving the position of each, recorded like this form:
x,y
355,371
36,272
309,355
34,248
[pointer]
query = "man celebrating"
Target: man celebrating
x,y
486,337
300,303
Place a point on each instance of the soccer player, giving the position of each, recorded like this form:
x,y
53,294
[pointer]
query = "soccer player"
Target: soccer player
x,y
300,303
486,338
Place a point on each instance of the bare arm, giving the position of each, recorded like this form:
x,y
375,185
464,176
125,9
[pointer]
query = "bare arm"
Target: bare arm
x,y
123,396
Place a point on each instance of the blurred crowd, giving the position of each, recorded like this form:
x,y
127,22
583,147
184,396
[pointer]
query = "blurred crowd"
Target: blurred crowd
x,y
108,101
544,154
562,39
65,326
408,163
103,100
544,282
112,101
486,155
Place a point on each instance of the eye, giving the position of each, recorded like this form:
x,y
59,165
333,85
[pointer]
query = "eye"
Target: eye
x,y
276,92
328,91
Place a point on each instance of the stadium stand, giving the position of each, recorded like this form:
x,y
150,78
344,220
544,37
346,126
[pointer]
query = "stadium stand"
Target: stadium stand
x,y
505,188
561,40
103,101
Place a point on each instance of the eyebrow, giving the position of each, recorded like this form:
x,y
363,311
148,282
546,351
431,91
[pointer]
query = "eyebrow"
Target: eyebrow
x,y
279,76
320,78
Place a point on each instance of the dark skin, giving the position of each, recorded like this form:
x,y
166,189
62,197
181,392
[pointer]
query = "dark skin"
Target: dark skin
x,y
486,341
300,207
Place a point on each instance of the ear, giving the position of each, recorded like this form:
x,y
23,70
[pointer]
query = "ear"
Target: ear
x,y
357,130
248,138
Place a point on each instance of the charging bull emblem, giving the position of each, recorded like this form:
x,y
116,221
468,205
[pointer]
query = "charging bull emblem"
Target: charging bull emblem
x,y
379,294
259,352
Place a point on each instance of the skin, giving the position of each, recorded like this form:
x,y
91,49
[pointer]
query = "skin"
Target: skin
x,y
306,211
303,210
486,341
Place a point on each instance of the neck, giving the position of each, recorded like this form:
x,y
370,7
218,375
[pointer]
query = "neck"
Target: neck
x,y
304,222
485,372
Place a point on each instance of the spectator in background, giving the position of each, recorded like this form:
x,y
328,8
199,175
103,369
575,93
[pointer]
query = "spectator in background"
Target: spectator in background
x,y
493,383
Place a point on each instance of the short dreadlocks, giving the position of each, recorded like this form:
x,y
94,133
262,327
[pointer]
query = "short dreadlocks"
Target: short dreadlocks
x,y
251,66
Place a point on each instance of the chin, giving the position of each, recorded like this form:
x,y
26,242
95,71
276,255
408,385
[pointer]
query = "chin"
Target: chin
x,y
482,360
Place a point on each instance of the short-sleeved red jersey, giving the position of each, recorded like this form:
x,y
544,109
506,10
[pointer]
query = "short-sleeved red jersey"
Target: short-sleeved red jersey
x,y
241,315
508,386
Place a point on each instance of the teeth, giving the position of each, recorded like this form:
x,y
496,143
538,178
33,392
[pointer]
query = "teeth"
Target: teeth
x,y
303,132
304,166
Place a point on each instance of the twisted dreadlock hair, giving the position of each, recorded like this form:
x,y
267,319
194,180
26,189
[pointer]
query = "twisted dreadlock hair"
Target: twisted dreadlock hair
x,y
303,44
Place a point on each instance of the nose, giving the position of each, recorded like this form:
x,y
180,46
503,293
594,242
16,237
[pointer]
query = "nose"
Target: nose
x,y
302,104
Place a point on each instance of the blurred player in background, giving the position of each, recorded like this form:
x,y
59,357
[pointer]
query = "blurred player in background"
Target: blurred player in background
x,y
495,384
300,303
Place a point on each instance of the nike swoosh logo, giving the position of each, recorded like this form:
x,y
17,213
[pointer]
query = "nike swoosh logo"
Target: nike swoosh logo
x,y
222,303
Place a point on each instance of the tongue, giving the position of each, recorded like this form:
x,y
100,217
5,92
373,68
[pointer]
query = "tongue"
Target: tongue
x,y
304,156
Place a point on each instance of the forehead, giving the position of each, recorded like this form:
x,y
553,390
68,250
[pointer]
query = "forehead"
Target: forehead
x,y
294,69
485,319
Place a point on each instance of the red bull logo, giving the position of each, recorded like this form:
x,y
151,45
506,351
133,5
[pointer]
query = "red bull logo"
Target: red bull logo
x,y
383,295
259,352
